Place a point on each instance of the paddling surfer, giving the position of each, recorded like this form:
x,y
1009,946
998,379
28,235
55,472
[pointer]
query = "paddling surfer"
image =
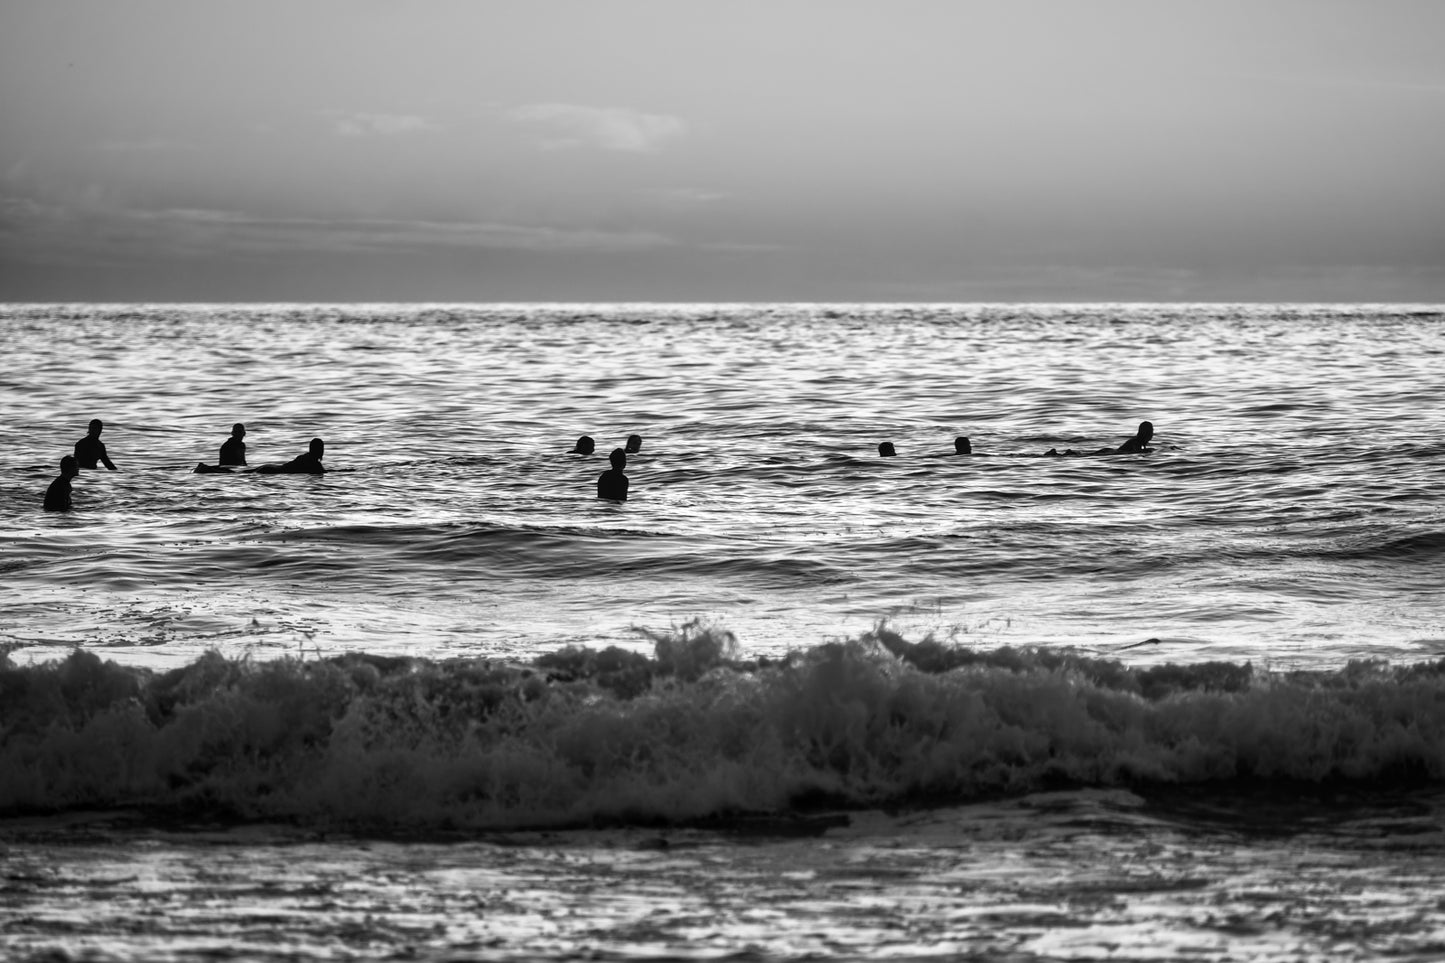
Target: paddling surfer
x,y
305,464
1138,444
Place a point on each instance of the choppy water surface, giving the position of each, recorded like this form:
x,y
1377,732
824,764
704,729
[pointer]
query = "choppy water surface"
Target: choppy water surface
x,y
1055,877
443,703
1289,512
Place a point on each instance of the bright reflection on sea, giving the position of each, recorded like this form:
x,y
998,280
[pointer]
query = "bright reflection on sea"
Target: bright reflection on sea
x,y
1288,514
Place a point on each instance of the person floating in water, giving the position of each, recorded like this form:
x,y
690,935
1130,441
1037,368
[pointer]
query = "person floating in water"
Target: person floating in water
x,y
612,483
885,449
1139,443
57,496
307,464
90,450
634,444
585,446
961,446
233,452
233,449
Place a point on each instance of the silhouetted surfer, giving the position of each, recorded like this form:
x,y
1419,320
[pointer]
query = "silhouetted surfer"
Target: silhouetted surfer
x,y
1140,440
961,446
307,464
233,452
634,444
585,446
233,449
612,483
90,449
57,496
1139,443
885,449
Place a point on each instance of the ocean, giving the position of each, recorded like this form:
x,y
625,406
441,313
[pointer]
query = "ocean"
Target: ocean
x,y
791,699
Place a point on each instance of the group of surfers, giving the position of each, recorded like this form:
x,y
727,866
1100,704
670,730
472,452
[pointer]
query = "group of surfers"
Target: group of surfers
x,y
611,484
90,453
1137,444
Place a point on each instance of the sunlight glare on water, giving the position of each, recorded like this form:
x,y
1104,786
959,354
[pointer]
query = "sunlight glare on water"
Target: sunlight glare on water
x,y
1285,513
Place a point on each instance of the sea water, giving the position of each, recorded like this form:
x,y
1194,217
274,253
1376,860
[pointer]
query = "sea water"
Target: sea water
x,y
791,699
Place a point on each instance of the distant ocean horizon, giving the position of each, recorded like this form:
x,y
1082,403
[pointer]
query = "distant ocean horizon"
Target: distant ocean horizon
x,y
791,698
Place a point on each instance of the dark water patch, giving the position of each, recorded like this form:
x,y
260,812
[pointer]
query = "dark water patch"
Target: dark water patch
x,y
469,552
1420,547
1394,814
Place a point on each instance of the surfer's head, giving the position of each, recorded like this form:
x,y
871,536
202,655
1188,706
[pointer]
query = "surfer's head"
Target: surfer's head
x,y
618,458
238,430
1146,431
585,446
96,426
961,446
885,449
634,444
318,447
69,467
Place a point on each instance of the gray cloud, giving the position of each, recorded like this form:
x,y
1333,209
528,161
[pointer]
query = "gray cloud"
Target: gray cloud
x,y
148,145
610,128
355,124
684,197
94,236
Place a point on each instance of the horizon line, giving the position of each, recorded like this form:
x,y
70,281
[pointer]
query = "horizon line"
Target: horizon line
x,y
728,303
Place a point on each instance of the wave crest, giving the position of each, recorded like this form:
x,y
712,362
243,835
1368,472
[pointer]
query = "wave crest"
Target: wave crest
x,y
584,737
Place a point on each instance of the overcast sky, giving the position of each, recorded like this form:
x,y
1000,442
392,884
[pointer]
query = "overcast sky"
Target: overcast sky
x,y
599,150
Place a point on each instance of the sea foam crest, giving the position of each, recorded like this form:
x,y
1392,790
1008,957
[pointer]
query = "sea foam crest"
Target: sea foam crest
x,y
587,737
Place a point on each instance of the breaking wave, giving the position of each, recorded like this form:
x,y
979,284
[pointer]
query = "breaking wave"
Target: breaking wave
x,y
690,733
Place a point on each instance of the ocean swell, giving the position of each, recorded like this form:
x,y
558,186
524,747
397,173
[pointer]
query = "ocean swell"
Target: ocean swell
x,y
588,737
